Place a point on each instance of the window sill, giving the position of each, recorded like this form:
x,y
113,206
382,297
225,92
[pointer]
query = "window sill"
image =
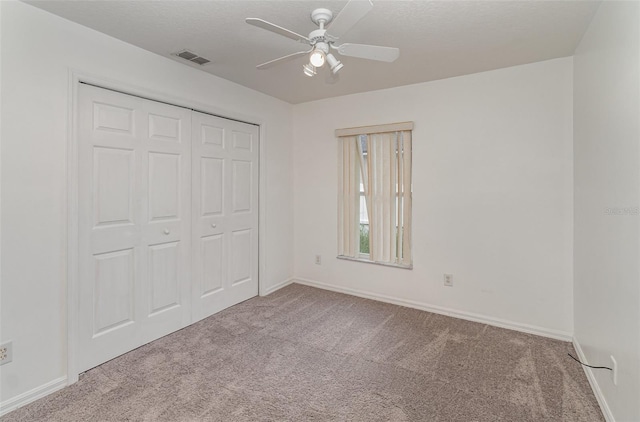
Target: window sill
x,y
368,261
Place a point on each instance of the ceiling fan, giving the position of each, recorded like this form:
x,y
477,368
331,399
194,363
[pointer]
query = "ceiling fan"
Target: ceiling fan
x,y
323,40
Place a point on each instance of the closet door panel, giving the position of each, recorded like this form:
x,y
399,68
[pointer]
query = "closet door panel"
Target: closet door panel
x,y
225,216
167,214
134,204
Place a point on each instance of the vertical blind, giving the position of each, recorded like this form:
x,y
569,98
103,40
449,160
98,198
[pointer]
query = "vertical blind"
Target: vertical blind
x,y
379,159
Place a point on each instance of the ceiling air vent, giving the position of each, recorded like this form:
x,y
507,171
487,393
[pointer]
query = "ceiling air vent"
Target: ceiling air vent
x,y
192,57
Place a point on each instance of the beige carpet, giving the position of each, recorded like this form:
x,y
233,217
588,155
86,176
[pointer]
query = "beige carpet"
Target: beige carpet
x,y
303,354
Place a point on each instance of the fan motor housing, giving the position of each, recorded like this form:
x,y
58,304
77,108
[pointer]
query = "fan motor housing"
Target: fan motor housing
x,y
317,36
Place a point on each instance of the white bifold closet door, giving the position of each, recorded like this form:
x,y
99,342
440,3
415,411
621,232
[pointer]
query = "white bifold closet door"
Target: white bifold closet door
x,y
225,213
140,201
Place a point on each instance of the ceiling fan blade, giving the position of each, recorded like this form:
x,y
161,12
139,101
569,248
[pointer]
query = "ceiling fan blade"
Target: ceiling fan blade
x,y
370,52
332,79
284,59
260,23
348,17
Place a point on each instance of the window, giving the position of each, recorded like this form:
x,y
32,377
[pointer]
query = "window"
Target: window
x,y
374,200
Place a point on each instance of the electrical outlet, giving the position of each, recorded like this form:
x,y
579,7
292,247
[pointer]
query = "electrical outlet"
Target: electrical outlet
x,y
6,352
318,260
614,372
448,280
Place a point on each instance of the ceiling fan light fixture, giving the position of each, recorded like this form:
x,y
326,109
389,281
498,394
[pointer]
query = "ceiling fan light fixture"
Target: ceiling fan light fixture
x,y
309,70
317,58
334,64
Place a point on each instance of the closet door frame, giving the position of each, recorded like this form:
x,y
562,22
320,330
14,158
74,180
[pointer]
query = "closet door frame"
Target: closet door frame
x,y
77,77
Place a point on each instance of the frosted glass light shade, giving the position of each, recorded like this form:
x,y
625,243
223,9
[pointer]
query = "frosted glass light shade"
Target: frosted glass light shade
x,y
316,58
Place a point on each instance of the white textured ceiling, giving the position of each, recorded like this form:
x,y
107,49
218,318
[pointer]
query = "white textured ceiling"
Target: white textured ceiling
x,y
437,39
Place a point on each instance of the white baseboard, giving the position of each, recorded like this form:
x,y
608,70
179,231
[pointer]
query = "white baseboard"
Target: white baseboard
x,y
32,395
606,411
497,322
278,286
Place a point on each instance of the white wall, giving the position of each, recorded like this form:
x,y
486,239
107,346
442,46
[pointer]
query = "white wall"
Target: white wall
x,y
492,194
38,49
607,176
